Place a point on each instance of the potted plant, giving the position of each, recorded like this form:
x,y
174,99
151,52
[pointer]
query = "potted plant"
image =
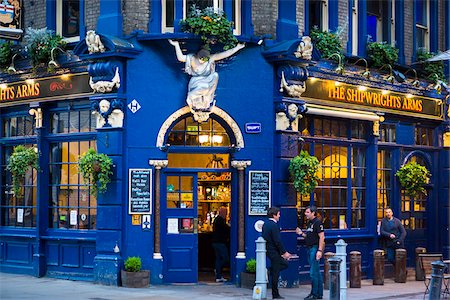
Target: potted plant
x,y
248,277
303,169
413,178
6,54
432,70
381,53
328,43
19,162
133,276
95,169
212,26
39,43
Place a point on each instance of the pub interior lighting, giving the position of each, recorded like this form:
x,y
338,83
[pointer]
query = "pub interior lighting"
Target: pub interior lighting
x,y
366,73
52,63
415,82
12,69
340,68
390,78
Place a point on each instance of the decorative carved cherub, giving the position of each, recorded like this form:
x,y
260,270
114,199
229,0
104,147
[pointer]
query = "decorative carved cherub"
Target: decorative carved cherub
x,y
305,49
94,43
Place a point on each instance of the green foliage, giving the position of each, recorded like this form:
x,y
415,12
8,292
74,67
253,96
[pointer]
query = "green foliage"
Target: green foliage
x,y
250,266
95,167
40,43
133,264
326,42
413,177
211,26
303,169
6,54
382,53
430,68
20,160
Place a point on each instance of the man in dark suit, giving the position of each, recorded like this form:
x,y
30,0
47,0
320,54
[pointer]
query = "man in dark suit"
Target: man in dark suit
x,y
275,250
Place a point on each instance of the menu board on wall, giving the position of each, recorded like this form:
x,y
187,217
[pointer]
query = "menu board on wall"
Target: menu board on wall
x,y
140,191
259,192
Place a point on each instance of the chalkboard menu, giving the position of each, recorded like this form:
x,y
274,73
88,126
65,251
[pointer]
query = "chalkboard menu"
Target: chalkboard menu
x,y
259,192
140,191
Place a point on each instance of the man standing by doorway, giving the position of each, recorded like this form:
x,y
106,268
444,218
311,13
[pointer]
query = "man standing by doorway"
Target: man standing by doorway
x,y
275,250
315,242
394,234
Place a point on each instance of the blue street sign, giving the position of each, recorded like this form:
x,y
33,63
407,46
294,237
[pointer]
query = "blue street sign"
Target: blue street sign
x,y
253,127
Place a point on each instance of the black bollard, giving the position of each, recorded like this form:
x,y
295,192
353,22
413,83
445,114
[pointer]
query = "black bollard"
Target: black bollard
x,y
400,265
378,267
355,269
335,287
436,280
420,276
326,268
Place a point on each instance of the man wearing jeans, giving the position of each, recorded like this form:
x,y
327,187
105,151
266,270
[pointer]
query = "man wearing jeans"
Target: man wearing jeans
x,y
315,242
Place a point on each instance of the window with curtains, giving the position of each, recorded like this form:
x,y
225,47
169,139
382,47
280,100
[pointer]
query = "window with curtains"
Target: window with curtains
x,y
318,14
385,177
68,19
340,195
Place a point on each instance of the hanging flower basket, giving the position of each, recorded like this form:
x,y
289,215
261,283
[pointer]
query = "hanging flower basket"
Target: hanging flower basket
x,y
95,169
413,178
303,169
19,162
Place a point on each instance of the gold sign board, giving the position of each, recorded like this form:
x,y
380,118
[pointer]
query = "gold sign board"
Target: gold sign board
x,y
347,95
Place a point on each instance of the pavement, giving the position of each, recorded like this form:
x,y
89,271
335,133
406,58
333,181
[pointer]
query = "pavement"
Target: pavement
x,y
14,286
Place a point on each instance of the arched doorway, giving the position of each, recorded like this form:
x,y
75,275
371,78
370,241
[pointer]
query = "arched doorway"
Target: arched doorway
x,y
198,181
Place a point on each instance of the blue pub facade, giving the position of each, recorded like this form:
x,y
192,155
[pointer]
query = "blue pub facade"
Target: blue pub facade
x,y
176,163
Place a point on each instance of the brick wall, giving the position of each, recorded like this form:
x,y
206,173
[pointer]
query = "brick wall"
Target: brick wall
x,y
441,25
409,27
300,16
264,16
136,15
92,9
34,14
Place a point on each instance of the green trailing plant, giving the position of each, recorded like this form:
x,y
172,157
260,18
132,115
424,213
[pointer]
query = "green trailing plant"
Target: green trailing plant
x,y
382,53
250,266
19,162
430,68
303,169
6,54
413,178
95,168
212,27
39,43
326,42
133,264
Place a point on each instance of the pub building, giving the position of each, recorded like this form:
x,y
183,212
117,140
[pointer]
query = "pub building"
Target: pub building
x,y
175,162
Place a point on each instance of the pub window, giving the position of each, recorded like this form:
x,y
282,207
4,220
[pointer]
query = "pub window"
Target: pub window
x,y
388,133
18,211
422,8
318,14
18,126
378,21
71,121
188,132
384,182
424,136
68,19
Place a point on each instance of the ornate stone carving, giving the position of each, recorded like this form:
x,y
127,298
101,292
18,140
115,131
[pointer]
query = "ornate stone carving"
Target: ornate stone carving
x,y
305,49
158,163
108,115
240,164
293,90
94,43
287,116
103,86
37,113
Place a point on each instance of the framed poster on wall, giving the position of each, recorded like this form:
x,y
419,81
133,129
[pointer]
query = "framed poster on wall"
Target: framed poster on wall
x,y
259,192
140,191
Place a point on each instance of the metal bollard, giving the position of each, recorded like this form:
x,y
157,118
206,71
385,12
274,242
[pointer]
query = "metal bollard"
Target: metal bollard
x,y
355,269
400,265
260,289
341,252
335,263
326,268
378,267
420,276
436,280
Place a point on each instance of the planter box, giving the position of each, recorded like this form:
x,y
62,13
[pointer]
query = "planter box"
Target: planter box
x,y
135,279
248,280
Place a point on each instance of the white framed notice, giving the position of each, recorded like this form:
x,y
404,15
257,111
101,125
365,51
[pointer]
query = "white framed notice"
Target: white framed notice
x,y
20,215
259,192
172,226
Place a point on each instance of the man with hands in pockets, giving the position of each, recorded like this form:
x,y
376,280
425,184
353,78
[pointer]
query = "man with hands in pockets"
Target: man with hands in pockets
x,y
315,242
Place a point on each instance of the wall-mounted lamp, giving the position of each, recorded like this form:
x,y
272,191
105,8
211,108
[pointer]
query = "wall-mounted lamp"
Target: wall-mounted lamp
x,y
340,68
165,147
438,83
365,73
415,82
390,78
12,69
52,63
